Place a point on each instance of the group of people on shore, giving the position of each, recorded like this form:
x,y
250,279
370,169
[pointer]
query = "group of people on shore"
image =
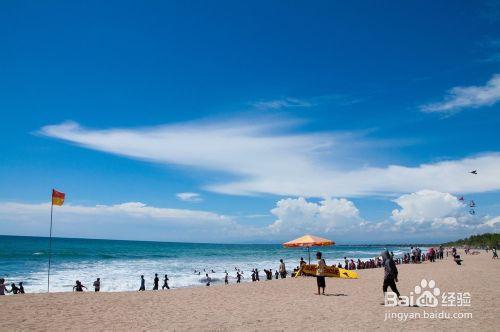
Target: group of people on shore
x,y
156,282
386,260
13,288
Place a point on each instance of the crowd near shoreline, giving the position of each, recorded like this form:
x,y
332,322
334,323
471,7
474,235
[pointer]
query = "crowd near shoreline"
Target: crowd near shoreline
x,y
414,256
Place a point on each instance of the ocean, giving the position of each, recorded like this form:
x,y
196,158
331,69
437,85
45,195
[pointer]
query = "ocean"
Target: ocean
x,y
119,264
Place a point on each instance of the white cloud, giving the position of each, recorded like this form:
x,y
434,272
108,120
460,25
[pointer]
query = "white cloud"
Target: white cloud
x,y
429,210
264,158
491,222
422,216
126,220
426,205
297,216
189,197
459,98
282,103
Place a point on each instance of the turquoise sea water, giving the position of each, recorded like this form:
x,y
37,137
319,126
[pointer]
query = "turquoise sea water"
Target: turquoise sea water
x,y
119,264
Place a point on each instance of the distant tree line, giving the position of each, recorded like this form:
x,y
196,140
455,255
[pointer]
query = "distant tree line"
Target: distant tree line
x,y
479,241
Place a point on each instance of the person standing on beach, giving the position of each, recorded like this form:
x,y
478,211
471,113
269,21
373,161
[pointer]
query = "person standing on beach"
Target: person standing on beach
x,y
320,274
494,251
21,288
390,274
97,285
155,282
238,277
282,269
226,279
3,287
143,284
208,279
165,283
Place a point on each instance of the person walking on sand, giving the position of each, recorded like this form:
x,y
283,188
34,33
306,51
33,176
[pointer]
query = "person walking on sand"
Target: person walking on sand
x,y
238,277
143,284
97,285
282,269
494,251
390,274
226,279
320,273
155,282
165,283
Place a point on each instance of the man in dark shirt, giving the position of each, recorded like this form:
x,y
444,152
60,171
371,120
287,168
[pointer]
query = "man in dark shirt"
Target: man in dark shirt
x,y
156,281
390,273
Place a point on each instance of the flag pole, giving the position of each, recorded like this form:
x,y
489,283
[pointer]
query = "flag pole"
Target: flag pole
x,y
50,246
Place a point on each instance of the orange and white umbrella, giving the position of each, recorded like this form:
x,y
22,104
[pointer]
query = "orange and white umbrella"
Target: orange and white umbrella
x,y
309,241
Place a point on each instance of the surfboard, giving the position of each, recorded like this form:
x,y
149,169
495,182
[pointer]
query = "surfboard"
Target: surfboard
x,y
330,271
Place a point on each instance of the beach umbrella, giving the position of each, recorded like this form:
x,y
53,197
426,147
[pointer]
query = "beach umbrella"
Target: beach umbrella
x,y
309,241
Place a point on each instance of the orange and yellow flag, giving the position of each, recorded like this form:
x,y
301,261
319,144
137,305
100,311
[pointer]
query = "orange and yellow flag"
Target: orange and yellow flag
x,y
57,197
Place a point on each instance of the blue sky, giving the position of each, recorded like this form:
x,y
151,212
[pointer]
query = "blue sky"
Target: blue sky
x,y
281,120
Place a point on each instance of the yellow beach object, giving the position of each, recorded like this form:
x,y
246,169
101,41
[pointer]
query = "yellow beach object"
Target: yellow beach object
x,y
330,271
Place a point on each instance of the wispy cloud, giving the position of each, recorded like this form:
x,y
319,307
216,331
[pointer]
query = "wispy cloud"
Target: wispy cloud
x,y
118,221
278,104
460,98
340,219
290,102
265,159
189,197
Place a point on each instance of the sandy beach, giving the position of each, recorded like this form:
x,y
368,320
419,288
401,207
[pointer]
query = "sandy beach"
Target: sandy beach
x,y
288,304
